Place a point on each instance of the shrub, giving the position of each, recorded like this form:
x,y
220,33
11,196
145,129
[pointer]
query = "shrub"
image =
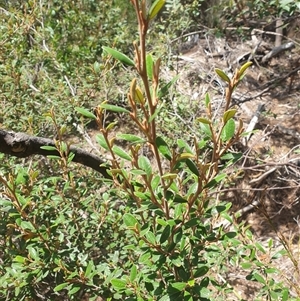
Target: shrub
x,y
152,230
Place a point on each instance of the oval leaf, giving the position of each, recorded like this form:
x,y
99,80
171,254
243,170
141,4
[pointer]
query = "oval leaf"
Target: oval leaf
x,y
154,114
60,286
121,153
244,68
118,283
201,271
207,100
102,142
259,278
151,238
185,156
155,8
192,167
165,234
133,273
163,148
169,176
228,130
149,65
118,56
145,165
228,115
206,129
183,144
113,108
49,147
131,138
129,220
85,113
163,91
222,75
203,120
216,180
180,286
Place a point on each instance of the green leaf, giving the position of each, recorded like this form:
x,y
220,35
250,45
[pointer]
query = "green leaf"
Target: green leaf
x,y
180,286
85,113
151,238
279,254
130,138
201,271
179,199
113,108
61,286
164,90
234,157
184,145
203,120
222,75
270,243
271,271
285,294
145,165
49,148
75,289
119,56
54,157
184,156
163,148
101,141
192,167
246,265
149,66
206,129
228,130
121,153
216,180
260,247
20,259
169,176
144,257
165,234
207,100
118,283
155,8
244,68
229,235
165,298
71,157
133,273
142,195
33,253
129,220
89,268
155,182
111,125
27,225
228,115
259,278
157,110
137,172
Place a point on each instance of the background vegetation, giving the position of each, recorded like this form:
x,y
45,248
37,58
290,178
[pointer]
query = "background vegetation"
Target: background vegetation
x,y
68,234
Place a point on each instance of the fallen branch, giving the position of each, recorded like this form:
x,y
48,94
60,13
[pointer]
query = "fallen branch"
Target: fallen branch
x,y
277,50
22,145
253,122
